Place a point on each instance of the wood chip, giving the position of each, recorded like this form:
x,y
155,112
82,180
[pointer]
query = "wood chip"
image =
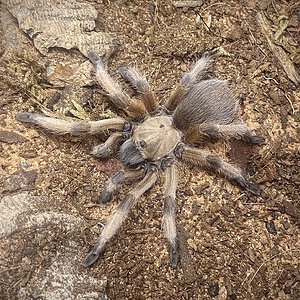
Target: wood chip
x,y
180,4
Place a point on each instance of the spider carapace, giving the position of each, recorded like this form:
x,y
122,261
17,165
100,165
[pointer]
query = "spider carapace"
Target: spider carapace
x,y
153,136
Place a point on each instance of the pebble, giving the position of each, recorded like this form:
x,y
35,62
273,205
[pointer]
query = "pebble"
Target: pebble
x,y
213,290
11,137
270,226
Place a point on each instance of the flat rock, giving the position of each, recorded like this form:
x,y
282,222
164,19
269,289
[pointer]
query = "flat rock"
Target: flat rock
x,y
20,180
28,225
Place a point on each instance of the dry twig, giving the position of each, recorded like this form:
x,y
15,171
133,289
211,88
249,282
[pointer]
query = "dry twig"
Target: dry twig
x,y
280,54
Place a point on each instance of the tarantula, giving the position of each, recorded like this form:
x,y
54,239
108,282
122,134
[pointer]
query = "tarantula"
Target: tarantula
x,y
154,136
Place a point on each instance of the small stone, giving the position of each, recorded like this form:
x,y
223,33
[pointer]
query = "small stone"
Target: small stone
x,y
270,226
286,225
11,137
213,290
200,188
274,251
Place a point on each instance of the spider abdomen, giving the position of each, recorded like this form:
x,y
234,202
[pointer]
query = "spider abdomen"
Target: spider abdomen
x,y
207,101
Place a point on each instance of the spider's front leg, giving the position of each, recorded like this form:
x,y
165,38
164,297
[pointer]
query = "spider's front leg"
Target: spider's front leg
x,y
133,108
142,86
214,162
58,126
168,221
119,216
219,131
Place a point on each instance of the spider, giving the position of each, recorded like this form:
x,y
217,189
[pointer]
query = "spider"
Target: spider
x,y
154,136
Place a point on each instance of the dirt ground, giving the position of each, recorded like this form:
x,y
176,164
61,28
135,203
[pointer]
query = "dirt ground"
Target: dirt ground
x,y
233,245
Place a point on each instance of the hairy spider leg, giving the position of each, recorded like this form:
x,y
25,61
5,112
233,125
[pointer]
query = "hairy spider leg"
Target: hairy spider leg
x,y
119,216
214,162
108,147
141,85
223,131
135,109
196,73
58,126
116,180
168,220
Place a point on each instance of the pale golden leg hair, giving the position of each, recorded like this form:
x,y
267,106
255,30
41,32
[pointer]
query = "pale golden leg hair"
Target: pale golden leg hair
x,y
114,182
214,162
58,126
119,216
168,221
134,108
142,86
106,149
197,72
216,131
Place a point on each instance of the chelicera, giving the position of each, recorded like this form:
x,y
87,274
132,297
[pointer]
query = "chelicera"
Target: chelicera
x,y
154,136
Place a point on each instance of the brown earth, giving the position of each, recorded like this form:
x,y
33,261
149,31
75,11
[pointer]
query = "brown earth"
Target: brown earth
x,y
233,245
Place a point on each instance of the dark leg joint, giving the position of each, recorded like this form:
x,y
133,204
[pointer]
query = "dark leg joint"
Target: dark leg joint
x,y
214,162
127,127
210,131
179,150
166,162
255,139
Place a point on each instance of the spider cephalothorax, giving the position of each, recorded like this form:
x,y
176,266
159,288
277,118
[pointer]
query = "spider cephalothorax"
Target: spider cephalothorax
x,y
154,136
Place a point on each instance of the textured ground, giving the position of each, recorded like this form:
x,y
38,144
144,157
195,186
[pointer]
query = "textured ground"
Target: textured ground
x,y
233,245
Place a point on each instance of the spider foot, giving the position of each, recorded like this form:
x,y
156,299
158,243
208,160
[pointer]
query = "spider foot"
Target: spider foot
x,y
93,256
249,186
94,57
26,117
253,188
174,255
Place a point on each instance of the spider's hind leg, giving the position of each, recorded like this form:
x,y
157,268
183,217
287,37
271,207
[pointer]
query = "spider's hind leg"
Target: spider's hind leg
x,y
142,86
214,162
168,221
223,131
